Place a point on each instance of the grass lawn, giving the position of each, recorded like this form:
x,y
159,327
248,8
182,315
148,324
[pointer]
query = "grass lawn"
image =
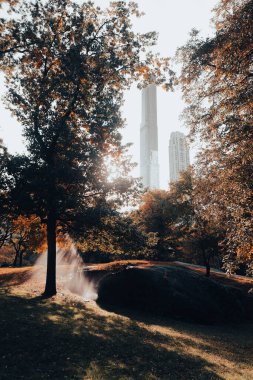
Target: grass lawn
x,y
65,338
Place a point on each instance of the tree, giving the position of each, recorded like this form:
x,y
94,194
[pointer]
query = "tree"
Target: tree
x,y
5,221
157,214
3,177
117,235
67,67
26,235
5,227
198,235
177,217
201,242
216,80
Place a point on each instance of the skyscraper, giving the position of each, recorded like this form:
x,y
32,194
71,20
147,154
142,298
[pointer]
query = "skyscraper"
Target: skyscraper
x,y
149,166
178,155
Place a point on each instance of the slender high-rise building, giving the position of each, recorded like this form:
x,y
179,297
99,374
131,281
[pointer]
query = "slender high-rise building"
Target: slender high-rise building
x,y
178,155
149,167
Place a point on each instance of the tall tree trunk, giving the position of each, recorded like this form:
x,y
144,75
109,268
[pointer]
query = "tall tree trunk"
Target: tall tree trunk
x,y
208,269
20,258
15,260
206,262
50,289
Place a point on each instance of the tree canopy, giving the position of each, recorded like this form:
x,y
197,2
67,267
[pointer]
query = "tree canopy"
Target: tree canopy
x,y
216,80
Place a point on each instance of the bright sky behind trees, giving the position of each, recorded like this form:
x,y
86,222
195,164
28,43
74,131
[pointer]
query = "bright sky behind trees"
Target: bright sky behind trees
x,y
173,20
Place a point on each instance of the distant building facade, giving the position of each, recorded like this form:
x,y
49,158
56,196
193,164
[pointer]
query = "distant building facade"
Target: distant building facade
x,y
149,167
179,158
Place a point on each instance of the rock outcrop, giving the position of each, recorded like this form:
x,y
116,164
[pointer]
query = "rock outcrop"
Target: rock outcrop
x,y
174,292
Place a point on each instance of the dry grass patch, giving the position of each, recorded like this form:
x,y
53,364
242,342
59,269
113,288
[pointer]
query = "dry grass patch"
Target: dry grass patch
x,y
65,338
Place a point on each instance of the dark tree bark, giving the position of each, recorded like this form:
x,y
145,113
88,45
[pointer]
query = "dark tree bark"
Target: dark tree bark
x,y
20,258
206,260
50,289
15,260
208,269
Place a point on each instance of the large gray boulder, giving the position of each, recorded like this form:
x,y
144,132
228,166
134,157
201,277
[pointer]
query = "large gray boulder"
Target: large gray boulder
x,y
172,291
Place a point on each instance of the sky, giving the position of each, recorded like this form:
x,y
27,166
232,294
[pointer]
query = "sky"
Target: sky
x,y
173,20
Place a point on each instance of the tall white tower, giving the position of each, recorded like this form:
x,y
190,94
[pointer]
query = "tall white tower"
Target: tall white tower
x,y
149,166
178,155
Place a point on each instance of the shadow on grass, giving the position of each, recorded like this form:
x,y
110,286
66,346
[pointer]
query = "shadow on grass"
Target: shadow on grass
x,y
216,339
9,279
41,339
